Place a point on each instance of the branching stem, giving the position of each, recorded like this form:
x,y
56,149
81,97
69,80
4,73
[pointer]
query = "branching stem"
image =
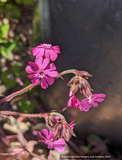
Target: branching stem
x,y
11,96
23,114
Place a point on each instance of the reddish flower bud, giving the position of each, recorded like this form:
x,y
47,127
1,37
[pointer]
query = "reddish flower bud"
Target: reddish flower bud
x,y
59,127
79,82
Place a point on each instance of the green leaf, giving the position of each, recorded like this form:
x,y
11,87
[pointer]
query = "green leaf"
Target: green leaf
x,y
4,30
14,10
3,40
9,82
3,51
16,70
26,106
11,46
3,1
8,52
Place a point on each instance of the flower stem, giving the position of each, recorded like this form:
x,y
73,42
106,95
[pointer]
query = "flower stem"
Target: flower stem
x,y
40,115
66,72
11,96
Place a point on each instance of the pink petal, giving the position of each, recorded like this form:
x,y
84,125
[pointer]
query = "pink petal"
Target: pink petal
x,y
59,142
95,104
47,54
99,99
52,67
41,141
41,53
37,50
60,148
56,49
53,56
35,81
72,124
45,132
39,61
29,70
93,96
50,145
50,54
45,63
49,80
44,85
101,95
59,145
50,136
75,102
41,135
30,76
34,66
70,93
87,107
69,103
51,73
84,101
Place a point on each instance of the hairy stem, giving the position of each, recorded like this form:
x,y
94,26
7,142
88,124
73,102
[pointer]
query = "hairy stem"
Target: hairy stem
x,y
11,96
66,72
23,114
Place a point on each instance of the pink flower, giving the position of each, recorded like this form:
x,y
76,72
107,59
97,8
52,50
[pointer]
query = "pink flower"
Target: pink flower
x,y
41,70
72,124
46,50
59,126
87,103
73,101
59,144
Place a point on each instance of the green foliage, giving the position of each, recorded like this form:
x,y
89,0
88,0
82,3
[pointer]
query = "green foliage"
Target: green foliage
x,y
16,70
4,28
10,10
8,77
9,82
9,46
25,2
26,105
3,1
13,10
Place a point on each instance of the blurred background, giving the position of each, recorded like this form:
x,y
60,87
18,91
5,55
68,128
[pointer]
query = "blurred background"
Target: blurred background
x,y
89,34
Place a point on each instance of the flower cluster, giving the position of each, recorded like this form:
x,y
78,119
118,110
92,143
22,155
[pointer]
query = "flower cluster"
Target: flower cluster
x,y
43,70
80,82
60,131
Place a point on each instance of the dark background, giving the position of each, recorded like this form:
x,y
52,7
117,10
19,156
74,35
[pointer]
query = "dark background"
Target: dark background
x,y
89,34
